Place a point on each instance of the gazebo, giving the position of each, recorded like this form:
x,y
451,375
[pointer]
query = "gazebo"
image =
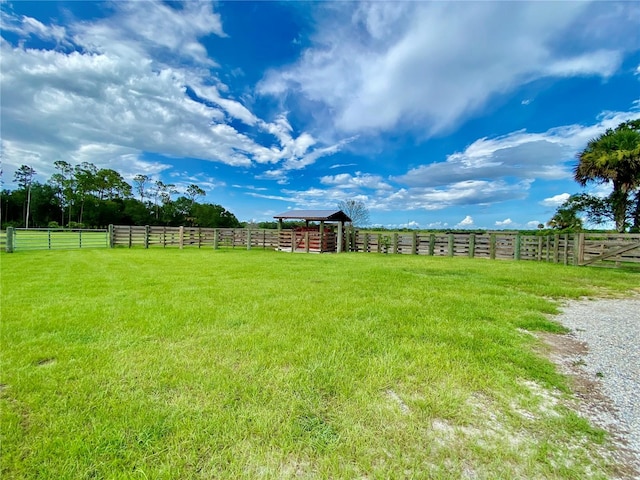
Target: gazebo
x,y
320,238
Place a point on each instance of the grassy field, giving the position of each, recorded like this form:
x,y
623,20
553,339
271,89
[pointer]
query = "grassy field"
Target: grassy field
x,y
208,364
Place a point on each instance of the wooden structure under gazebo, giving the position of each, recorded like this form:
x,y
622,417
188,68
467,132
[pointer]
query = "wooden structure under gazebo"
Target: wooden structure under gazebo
x,y
320,238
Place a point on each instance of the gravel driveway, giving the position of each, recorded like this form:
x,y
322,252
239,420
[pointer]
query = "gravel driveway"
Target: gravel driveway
x,y
602,353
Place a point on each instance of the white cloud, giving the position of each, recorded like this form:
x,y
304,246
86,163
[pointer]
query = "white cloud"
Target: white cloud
x,y
122,90
548,156
357,181
430,65
467,222
504,223
556,200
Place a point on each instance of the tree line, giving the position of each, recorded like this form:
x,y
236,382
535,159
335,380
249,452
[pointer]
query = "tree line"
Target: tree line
x,y
85,196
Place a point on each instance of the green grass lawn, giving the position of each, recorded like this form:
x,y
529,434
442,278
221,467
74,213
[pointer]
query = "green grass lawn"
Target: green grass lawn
x,y
255,364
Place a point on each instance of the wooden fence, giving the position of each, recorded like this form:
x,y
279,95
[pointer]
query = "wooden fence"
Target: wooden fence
x,y
152,236
567,249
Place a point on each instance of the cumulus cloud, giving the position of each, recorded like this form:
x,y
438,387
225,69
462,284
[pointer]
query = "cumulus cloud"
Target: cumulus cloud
x,y
504,223
378,66
548,155
556,200
467,222
135,82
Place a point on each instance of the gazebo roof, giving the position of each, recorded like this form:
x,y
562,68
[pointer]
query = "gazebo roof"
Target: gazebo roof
x,y
314,215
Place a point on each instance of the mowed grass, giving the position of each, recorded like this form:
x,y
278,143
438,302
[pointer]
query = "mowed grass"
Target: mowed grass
x,y
252,364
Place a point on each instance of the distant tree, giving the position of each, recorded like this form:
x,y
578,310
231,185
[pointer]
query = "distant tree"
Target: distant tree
x,y
24,178
614,157
356,211
111,185
63,182
566,217
194,192
85,176
214,216
140,183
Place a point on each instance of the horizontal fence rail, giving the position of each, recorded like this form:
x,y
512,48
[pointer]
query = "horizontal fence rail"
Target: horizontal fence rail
x,y
568,249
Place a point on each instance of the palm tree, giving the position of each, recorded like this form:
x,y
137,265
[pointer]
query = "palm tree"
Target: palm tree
x,y
613,157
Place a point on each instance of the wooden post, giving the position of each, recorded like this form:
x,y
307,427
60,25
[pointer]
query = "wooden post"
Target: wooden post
x,y
432,244
414,244
566,249
130,235
492,246
181,239
49,238
395,243
556,248
111,233
249,238
517,247
578,253
365,247
539,249
339,246
293,240
306,242
548,248
321,236
10,240
472,245
79,238
146,236
450,245
215,238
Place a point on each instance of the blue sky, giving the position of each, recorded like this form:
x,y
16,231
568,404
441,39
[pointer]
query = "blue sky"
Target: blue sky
x,y
434,114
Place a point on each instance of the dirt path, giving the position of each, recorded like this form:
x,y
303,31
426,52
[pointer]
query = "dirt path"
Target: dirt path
x,y
600,355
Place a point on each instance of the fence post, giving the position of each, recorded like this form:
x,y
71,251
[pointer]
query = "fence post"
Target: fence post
x,y
146,236
578,249
414,244
110,234
293,240
540,248
10,243
181,237
518,245
450,245
130,235
249,238
395,243
365,247
79,238
306,242
492,246
432,244
340,240
472,245
548,246
49,238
